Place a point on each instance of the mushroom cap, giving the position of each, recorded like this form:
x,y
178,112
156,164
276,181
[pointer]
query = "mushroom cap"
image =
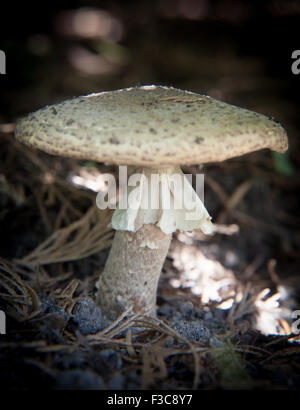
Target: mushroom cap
x,y
149,126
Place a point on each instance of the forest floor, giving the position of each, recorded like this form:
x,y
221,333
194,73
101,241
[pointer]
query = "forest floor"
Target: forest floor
x,y
225,302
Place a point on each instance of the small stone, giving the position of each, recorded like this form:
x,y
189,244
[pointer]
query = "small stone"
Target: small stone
x,y
193,330
49,305
87,316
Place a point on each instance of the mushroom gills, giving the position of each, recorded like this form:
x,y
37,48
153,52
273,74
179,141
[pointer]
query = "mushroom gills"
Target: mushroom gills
x,y
165,197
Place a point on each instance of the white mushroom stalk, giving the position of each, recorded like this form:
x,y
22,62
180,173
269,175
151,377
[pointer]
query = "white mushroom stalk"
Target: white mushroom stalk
x,y
162,202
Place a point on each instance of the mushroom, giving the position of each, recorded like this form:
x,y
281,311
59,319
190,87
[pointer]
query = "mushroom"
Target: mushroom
x,y
153,130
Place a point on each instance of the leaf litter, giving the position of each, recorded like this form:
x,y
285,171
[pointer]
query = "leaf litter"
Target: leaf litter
x,y
40,288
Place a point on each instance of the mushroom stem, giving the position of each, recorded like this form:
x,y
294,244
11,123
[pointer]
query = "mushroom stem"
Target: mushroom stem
x,y
144,229
132,271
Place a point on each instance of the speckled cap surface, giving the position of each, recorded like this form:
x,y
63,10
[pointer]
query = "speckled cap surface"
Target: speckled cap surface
x,y
149,126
